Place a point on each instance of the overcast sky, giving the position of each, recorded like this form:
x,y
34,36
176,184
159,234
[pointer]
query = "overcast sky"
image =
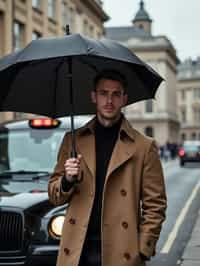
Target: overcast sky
x,y
179,20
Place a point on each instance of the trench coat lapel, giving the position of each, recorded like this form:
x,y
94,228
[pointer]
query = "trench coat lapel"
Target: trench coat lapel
x,y
124,148
86,145
123,151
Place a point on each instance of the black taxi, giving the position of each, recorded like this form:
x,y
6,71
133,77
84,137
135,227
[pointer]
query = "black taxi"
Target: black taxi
x,y
30,227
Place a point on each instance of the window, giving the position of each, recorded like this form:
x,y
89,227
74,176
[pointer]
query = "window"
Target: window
x,y
64,10
18,35
31,157
196,93
149,106
196,115
183,95
193,136
35,35
85,27
51,8
149,131
91,31
183,137
36,4
141,26
68,17
183,116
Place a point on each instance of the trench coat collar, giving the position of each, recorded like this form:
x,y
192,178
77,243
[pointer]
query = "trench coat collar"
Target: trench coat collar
x,y
123,150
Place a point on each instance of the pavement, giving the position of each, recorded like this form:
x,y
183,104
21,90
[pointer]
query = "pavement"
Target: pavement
x,y
191,254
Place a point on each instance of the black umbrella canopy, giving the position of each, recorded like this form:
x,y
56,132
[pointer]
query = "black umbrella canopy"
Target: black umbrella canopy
x,y
35,79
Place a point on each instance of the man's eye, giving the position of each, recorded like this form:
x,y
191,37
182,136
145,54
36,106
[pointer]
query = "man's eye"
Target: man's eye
x,y
117,94
102,93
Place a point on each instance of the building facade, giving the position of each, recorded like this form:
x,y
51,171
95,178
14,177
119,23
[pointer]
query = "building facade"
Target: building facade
x,y
158,117
24,20
188,92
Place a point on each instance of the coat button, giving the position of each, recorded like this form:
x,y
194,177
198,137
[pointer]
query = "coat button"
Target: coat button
x,y
127,256
123,192
77,191
72,221
125,225
67,251
148,243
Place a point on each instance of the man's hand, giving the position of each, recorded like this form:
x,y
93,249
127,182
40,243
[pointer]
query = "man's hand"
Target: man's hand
x,y
143,257
72,168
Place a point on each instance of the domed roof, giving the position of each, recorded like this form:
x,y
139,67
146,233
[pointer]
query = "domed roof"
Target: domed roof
x,y
142,14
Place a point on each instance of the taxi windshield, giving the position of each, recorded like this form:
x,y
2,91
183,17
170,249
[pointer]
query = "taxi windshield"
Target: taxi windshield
x,y
191,147
29,150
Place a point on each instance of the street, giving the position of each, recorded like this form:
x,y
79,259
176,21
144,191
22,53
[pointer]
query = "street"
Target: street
x,y
183,203
182,190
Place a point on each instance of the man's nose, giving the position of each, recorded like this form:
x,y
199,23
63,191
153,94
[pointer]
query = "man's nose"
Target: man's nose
x,y
109,98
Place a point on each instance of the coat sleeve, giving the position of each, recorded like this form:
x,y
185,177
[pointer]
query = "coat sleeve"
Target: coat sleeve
x,y
153,202
56,194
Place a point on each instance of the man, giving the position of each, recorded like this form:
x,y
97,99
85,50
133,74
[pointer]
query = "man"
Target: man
x,y
116,211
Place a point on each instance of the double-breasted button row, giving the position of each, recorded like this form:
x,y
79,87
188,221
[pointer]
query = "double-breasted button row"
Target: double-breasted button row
x,y
77,191
66,251
149,243
127,256
123,192
72,221
125,225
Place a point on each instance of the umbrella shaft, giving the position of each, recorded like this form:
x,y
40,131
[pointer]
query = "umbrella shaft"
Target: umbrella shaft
x,y
73,152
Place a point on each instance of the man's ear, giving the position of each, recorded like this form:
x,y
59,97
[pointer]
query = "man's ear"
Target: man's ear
x,y
125,100
93,96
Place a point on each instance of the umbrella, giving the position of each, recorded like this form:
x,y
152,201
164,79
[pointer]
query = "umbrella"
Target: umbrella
x,y
40,78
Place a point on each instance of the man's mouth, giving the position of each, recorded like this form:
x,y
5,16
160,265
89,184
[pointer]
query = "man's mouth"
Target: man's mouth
x,y
108,108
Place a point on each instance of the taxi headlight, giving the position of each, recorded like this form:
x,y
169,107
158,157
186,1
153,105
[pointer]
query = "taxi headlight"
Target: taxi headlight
x,y
55,226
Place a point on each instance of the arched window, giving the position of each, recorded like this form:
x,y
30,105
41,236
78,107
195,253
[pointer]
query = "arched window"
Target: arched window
x,y
141,26
193,135
183,136
149,131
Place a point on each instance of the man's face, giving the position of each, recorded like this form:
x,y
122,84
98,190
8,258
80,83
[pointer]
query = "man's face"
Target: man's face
x,y
109,98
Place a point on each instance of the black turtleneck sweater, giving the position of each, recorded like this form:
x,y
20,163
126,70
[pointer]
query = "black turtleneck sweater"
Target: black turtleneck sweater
x,y
105,139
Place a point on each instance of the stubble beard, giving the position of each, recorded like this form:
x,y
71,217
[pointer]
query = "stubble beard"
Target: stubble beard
x,y
111,118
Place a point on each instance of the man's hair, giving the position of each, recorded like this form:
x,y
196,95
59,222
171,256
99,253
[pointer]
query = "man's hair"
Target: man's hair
x,y
113,75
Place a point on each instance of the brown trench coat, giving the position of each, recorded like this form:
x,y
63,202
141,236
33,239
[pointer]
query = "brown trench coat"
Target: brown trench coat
x,y
134,199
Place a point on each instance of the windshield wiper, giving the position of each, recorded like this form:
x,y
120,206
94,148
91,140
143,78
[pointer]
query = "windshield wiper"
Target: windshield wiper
x,y
37,174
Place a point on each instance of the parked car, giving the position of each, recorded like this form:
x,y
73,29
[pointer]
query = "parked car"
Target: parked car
x,y
30,227
189,152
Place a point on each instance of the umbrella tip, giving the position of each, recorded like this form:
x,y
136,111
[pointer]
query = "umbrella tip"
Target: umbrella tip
x,y
67,30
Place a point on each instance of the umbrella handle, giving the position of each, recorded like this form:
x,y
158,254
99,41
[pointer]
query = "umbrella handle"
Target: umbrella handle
x,y
73,153
75,177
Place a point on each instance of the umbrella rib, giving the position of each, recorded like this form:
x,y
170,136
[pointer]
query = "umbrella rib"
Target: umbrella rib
x,y
55,86
81,59
11,81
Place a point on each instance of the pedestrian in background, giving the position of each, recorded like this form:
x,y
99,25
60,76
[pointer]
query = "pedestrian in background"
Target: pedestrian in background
x,y
116,212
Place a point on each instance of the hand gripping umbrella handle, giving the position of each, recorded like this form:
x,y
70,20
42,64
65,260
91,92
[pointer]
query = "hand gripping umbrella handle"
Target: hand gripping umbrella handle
x,y
75,177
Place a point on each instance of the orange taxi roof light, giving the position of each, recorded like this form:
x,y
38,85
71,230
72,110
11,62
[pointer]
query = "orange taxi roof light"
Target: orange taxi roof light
x,y
44,123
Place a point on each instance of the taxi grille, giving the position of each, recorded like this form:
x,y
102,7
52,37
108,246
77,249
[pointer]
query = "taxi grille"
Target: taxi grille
x,y
11,231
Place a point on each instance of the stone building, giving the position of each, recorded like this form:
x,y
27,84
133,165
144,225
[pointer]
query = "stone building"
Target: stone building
x,y
157,118
188,92
24,20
